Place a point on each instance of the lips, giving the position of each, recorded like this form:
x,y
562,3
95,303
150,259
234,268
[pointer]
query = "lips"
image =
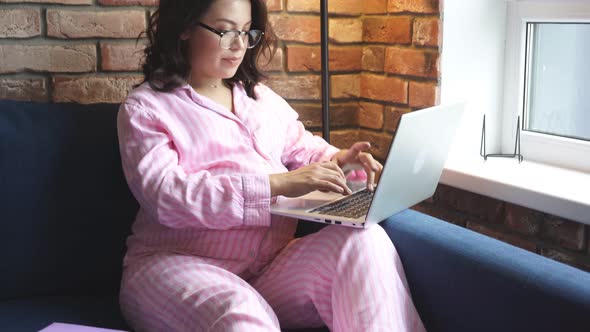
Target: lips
x,y
233,60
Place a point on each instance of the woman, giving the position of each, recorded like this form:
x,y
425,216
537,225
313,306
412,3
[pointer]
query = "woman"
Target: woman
x,y
205,149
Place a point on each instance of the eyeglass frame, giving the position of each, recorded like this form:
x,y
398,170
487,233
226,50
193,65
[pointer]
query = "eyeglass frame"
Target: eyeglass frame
x,y
221,33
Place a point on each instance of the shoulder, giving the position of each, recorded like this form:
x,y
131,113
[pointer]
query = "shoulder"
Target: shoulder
x,y
263,92
142,95
144,98
266,96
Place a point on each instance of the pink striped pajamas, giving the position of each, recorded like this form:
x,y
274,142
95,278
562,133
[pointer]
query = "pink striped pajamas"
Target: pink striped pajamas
x,y
206,254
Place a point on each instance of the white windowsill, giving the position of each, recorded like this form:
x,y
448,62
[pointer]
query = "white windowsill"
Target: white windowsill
x,y
561,192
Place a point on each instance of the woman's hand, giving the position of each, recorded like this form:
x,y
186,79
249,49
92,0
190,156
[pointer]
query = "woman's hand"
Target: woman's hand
x,y
325,176
357,158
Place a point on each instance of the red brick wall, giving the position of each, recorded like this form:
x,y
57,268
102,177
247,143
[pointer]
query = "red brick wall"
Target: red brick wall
x,y
297,75
383,57
70,50
384,61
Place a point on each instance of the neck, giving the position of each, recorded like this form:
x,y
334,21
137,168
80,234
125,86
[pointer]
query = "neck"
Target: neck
x,y
205,84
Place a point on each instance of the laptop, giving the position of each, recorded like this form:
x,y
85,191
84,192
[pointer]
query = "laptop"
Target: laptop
x,y
411,172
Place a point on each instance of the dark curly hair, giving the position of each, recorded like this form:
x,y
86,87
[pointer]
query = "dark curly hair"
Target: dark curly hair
x,y
166,64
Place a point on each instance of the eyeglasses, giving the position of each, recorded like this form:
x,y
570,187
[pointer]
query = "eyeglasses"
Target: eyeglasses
x,y
250,38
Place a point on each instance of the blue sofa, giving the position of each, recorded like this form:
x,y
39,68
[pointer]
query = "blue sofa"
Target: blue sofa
x,y
66,211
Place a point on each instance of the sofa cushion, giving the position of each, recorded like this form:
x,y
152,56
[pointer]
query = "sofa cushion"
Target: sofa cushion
x,y
65,207
464,281
33,314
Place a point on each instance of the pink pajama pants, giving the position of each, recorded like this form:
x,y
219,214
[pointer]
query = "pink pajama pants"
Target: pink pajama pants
x,y
347,279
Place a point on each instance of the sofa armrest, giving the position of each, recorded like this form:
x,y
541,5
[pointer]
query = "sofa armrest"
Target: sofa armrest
x,y
464,281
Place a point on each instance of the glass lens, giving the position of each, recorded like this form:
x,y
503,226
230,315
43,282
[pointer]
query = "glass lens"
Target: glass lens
x,y
228,38
250,38
254,37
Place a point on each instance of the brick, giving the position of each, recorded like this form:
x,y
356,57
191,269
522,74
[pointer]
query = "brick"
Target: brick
x,y
423,94
309,114
481,207
86,24
304,29
413,6
342,7
20,23
502,236
128,2
51,58
343,139
93,89
318,133
341,114
344,114
346,30
559,256
568,234
389,89
121,56
345,7
375,6
421,63
274,5
308,58
303,58
447,215
373,58
306,87
427,32
24,89
371,115
380,143
522,219
345,86
65,2
275,64
392,117
345,58
422,208
303,6
390,30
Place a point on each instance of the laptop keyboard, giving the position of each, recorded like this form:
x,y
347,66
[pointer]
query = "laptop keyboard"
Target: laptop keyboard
x,y
353,206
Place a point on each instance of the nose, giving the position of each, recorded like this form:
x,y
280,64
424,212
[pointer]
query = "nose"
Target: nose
x,y
239,42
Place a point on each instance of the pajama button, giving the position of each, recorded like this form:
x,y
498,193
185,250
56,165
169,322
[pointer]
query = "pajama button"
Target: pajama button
x,y
251,253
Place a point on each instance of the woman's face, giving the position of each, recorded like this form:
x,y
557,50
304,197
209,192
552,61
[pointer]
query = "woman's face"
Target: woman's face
x,y
207,58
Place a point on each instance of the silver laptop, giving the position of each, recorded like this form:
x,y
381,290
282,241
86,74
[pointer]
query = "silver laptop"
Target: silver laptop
x,y
410,174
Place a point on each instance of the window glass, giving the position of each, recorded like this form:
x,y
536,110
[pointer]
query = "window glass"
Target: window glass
x,y
557,93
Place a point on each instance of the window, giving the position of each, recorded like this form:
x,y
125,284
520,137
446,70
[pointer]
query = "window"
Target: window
x,y
488,61
547,82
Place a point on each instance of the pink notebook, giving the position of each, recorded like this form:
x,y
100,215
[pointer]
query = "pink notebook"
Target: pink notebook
x,y
61,327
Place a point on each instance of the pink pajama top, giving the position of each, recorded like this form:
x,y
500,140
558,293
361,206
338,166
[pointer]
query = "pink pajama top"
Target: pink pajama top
x,y
200,172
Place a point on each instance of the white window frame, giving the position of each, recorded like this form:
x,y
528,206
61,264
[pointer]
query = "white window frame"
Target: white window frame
x,y
550,149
